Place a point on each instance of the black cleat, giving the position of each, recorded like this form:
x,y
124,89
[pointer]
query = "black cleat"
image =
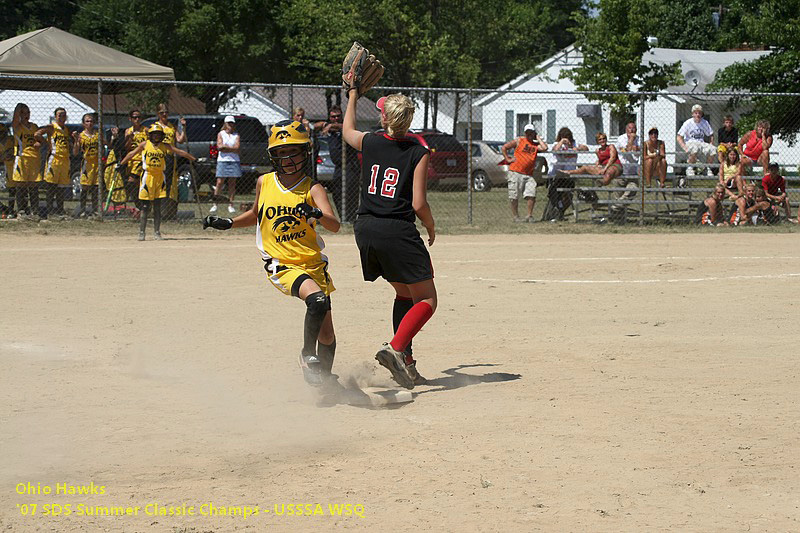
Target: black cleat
x,y
393,361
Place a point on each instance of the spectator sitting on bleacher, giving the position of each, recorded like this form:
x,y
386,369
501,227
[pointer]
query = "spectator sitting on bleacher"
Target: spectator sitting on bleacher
x,y
566,142
709,213
755,144
727,137
775,188
745,209
608,166
628,146
692,138
730,175
654,158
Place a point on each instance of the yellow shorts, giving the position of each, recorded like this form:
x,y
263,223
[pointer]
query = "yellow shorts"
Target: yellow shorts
x,y
173,191
26,169
284,277
57,171
151,186
89,174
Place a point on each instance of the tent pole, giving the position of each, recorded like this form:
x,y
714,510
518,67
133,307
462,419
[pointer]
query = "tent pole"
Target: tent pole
x,y
100,148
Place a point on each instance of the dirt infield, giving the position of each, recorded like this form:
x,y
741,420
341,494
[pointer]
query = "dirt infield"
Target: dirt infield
x,y
578,382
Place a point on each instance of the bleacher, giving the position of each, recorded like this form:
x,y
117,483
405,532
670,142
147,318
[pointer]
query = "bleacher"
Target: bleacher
x,y
677,202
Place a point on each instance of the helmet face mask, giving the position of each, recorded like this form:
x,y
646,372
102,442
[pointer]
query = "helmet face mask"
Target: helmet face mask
x,y
290,134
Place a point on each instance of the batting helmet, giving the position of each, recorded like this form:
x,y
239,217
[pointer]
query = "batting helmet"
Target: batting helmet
x,y
156,129
289,133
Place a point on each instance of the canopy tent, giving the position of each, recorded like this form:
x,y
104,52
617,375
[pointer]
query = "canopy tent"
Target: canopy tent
x,y
52,53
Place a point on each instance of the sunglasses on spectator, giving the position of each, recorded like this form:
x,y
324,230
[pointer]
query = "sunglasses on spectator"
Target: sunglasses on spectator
x,y
136,117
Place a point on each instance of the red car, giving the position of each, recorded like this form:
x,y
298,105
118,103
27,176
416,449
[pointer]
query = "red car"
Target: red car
x,y
448,162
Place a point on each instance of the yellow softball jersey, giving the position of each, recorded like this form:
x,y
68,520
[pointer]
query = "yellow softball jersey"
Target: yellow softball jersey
x,y
7,156
57,167
89,146
282,234
135,166
26,157
152,160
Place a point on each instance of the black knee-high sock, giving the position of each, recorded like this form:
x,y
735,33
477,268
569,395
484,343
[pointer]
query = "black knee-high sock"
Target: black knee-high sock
x,y
12,198
316,308
33,198
327,353
21,195
143,216
157,215
60,191
401,307
84,194
50,196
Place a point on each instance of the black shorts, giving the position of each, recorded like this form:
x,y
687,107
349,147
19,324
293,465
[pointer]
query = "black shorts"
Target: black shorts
x,y
392,248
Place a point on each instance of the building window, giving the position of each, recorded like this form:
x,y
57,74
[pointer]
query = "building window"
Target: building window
x,y
526,118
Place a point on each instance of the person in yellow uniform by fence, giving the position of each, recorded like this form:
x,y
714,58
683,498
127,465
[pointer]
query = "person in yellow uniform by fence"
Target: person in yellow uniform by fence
x,y
7,158
56,169
172,137
134,136
86,145
26,162
152,188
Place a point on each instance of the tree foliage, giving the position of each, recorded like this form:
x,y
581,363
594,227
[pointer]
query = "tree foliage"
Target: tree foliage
x,y
775,23
613,45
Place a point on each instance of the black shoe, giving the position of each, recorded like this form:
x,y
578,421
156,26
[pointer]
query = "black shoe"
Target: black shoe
x,y
392,360
312,370
415,376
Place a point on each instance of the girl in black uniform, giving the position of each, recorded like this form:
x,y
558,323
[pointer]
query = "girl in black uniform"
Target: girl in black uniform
x,y
394,176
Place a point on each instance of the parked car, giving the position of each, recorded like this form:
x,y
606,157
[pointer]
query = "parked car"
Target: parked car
x,y
488,165
448,162
201,131
325,166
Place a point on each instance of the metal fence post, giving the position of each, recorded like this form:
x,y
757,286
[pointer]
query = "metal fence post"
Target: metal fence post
x,y
469,157
291,101
641,158
100,150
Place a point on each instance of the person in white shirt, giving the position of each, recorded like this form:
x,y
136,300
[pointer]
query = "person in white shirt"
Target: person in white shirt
x,y
628,147
692,138
228,164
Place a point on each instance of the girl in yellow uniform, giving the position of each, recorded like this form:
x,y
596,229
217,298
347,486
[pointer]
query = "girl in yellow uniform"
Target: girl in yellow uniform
x,y
172,137
287,207
153,183
86,144
7,158
26,162
134,136
56,170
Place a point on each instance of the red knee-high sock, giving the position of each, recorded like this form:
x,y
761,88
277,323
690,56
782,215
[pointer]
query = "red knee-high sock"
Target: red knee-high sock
x,y
411,324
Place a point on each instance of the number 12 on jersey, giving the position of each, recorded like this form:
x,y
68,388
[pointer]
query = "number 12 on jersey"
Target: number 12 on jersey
x,y
389,183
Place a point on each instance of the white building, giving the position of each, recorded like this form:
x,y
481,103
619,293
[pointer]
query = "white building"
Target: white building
x,y
42,104
504,114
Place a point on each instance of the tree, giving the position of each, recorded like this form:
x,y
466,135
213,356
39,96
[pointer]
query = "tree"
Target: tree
x,y
218,40
772,23
22,17
613,45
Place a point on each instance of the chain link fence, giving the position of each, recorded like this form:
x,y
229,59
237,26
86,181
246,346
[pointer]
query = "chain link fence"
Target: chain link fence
x,y
666,160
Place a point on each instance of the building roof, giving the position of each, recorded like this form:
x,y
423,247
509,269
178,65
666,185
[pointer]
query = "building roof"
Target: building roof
x,y
701,65
178,103
315,102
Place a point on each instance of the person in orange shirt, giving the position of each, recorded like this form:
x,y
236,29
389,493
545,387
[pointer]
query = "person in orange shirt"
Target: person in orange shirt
x,y
521,168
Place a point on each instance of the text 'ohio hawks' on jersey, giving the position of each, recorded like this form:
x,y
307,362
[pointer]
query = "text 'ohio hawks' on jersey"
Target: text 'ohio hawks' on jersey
x,y
282,233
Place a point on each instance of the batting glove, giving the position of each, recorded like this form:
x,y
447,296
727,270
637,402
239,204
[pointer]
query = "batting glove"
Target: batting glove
x,y
217,222
305,210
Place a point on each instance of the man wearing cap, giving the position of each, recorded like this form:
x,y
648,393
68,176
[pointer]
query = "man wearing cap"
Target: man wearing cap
x,y
332,129
521,169
228,164
692,138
